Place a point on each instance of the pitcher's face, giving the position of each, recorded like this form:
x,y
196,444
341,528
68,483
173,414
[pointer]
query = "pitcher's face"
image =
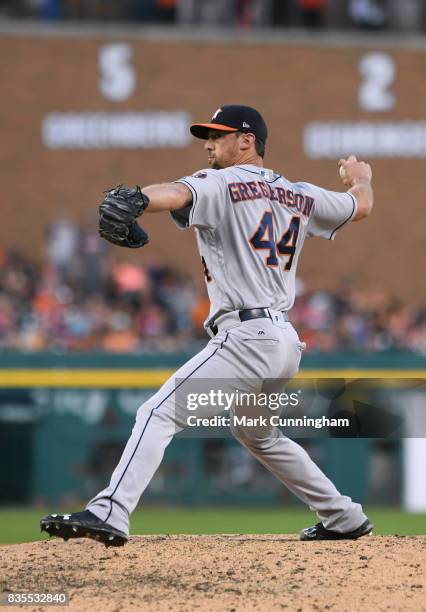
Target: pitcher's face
x,y
223,149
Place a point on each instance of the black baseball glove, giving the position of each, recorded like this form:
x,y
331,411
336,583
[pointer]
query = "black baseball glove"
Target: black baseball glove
x,y
117,217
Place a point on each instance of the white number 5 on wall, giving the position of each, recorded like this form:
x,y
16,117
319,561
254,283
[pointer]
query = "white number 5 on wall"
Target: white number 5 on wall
x,y
378,74
117,74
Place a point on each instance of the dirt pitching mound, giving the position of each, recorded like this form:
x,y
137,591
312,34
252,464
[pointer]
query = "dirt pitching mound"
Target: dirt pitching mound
x,y
223,572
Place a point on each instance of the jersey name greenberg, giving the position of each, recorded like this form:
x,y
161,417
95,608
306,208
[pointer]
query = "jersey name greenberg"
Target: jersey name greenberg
x,y
251,225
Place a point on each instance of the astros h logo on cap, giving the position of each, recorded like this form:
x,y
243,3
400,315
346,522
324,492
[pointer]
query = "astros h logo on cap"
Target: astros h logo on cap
x,y
233,118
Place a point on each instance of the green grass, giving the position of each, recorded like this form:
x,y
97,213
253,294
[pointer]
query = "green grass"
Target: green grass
x,y
22,525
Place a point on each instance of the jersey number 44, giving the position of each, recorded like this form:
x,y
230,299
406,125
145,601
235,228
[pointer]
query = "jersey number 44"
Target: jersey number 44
x,y
263,239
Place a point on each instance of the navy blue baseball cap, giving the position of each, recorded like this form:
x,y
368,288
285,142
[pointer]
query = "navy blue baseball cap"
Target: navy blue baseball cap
x,y
233,118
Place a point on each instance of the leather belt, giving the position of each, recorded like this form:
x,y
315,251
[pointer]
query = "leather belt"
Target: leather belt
x,y
251,313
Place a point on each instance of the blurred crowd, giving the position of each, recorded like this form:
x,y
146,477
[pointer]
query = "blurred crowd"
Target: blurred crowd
x,y
369,14
79,299
350,320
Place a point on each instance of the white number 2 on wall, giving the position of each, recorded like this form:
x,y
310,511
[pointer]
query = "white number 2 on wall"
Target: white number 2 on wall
x,y
378,73
117,74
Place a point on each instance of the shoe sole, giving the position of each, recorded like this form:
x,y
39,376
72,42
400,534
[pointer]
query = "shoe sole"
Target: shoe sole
x,y
76,530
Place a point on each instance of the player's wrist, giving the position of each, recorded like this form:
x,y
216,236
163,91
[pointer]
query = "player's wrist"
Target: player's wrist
x,y
361,182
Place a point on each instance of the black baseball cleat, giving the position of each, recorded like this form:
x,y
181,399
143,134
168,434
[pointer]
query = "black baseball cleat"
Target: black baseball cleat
x,y
82,525
319,532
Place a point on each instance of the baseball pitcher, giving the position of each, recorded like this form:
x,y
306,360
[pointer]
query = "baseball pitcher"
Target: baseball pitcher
x,y
251,224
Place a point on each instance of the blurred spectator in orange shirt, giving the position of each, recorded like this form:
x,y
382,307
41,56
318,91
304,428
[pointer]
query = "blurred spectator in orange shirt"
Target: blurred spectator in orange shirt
x,y
200,313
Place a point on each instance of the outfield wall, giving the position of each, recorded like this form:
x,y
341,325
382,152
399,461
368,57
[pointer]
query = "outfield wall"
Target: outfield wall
x,y
65,420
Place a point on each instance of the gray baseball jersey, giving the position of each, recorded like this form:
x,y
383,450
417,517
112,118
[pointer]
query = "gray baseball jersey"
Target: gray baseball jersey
x,y
251,224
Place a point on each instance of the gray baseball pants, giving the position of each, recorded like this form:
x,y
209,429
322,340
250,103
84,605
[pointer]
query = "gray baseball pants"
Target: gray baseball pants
x,y
241,356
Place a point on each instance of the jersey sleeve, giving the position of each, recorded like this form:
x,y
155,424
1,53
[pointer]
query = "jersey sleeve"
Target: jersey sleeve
x,y
331,211
181,216
209,197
